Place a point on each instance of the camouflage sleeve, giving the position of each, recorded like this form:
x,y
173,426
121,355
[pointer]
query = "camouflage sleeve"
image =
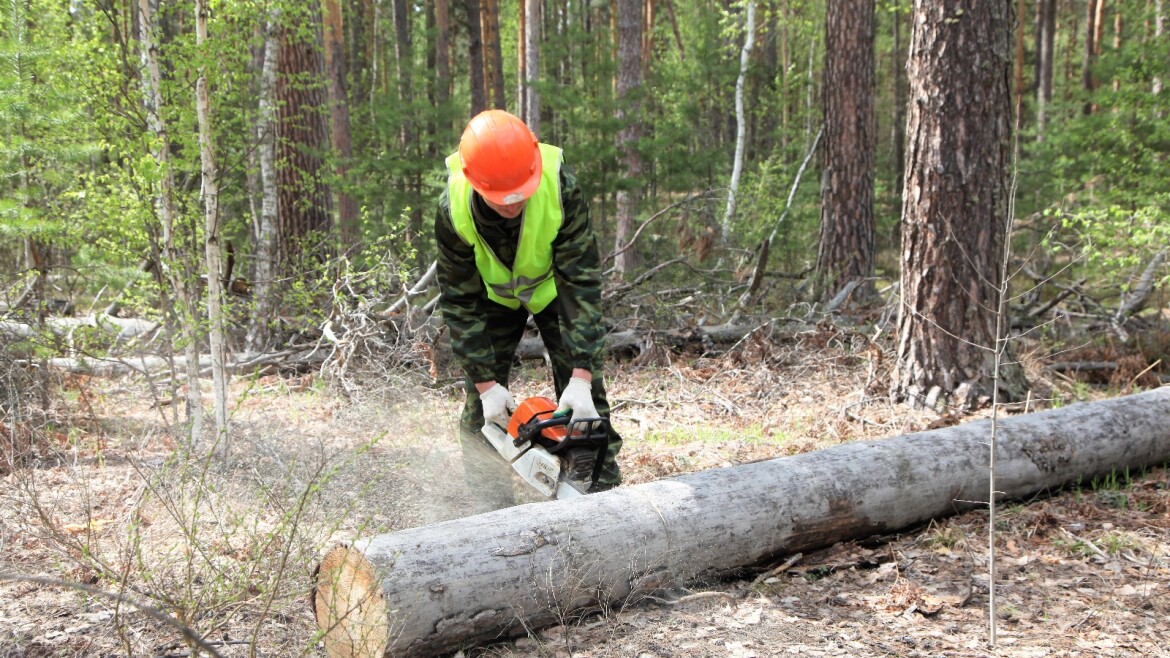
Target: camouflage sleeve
x,y
463,297
578,276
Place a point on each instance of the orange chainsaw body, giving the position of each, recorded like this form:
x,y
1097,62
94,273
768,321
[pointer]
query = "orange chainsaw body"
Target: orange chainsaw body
x,y
536,408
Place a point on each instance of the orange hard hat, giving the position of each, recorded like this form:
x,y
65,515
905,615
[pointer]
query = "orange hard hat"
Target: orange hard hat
x,y
501,158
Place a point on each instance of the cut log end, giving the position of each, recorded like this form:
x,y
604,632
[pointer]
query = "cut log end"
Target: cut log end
x,y
350,606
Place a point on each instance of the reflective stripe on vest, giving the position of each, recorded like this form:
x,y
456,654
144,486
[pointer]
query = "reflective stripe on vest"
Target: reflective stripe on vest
x,y
530,280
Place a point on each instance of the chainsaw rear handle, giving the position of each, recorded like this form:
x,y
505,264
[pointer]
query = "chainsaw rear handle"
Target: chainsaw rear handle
x,y
596,430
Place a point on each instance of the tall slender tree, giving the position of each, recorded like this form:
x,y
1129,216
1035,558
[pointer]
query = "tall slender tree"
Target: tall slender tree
x,y
305,236
349,231
629,90
1159,35
745,54
475,56
532,31
267,226
209,182
172,256
1045,55
846,252
492,53
955,203
1092,49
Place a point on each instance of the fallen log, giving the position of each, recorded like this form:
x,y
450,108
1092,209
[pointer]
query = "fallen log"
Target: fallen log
x,y
433,589
121,328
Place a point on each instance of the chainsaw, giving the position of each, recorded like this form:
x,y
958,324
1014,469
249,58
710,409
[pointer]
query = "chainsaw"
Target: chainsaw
x,y
559,457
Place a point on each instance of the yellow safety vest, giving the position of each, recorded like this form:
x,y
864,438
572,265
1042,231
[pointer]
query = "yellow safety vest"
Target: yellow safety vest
x,y
530,281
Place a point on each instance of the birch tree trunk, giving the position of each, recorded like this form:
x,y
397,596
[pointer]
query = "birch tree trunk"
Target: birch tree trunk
x,y
1159,33
531,109
210,189
262,288
521,62
173,262
434,589
745,53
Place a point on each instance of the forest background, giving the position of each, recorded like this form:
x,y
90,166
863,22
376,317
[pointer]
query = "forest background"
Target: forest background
x,y
247,187
325,127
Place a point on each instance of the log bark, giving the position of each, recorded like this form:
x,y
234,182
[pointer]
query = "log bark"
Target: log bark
x,y
436,588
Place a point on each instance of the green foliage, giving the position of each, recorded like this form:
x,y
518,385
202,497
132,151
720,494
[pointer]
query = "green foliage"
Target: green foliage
x,y
44,139
1100,168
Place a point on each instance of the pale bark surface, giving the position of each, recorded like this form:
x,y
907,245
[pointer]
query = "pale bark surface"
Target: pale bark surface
x,y
173,259
267,223
955,204
745,54
531,109
1159,34
846,251
210,189
432,589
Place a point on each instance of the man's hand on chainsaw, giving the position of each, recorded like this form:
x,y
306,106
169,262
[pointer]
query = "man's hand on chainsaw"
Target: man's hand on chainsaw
x,y
577,398
498,405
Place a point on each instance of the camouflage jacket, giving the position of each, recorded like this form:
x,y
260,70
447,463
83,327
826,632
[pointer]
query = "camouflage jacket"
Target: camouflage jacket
x,y
576,266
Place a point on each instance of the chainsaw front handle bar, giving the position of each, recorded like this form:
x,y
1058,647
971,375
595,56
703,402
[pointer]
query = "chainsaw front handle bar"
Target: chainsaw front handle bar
x,y
594,428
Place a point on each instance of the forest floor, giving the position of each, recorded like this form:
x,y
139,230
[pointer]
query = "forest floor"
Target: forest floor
x,y
106,500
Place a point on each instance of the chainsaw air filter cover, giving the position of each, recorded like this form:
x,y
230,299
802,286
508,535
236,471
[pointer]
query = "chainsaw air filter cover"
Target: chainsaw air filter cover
x,y
536,409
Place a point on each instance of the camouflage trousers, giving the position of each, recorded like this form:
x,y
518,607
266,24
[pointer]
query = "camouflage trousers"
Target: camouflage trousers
x,y
506,327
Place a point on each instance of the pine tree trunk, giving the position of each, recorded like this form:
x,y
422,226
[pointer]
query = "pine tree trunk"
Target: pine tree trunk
x,y
404,62
442,51
955,204
1045,56
439,84
898,134
846,252
306,228
493,55
1092,32
349,232
475,57
435,589
629,83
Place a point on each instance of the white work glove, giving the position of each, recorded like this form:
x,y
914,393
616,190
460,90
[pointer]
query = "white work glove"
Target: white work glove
x,y
498,405
578,398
